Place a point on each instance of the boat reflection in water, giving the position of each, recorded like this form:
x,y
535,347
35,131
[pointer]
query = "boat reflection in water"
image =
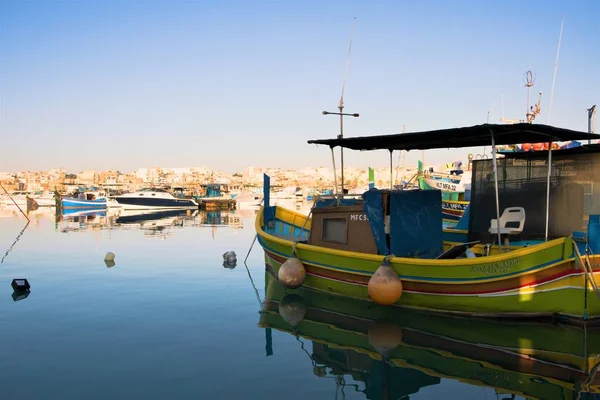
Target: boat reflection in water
x,y
80,220
396,352
153,223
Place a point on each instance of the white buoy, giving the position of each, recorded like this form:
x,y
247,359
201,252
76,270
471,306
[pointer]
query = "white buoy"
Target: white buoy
x,y
291,274
109,256
385,287
292,309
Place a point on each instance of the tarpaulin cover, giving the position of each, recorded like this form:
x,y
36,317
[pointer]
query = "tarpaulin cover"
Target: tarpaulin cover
x,y
594,234
463,222
373,207
416,223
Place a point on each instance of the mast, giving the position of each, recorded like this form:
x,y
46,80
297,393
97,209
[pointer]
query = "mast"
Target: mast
x,y
341,108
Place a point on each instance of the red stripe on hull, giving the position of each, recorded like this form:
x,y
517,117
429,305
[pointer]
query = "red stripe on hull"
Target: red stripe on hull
x,y
327,274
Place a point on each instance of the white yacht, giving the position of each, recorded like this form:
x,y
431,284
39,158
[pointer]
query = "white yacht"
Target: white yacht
x,y
146,199
18,197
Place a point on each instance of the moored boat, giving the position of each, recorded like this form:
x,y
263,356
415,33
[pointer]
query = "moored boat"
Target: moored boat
x,y
84,200
154,198
548,265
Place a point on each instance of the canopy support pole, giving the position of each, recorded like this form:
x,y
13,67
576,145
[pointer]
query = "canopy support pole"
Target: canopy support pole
x,y
495,164
548,188
337,195
391,171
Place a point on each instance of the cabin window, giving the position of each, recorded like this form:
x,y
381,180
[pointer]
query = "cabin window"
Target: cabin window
x,y
335,230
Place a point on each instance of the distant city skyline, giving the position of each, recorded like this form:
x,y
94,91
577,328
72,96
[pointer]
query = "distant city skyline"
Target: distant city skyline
x,y
99,85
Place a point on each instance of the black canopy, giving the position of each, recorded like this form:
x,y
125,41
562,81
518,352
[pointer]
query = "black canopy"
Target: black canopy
x,y
473,136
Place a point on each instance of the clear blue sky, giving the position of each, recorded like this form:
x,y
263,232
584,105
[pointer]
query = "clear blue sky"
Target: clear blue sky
x,y
128,84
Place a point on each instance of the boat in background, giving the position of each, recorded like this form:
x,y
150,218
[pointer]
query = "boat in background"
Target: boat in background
x,y
154,198
84,200
455,185
247,199
45,199
18,197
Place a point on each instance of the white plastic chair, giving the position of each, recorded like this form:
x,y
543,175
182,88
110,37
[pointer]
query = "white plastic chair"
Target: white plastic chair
x,y
509,215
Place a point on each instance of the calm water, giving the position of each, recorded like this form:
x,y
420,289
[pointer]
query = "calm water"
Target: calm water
x,y
168,320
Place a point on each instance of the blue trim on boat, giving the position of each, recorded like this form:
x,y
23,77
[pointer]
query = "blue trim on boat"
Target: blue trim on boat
x,y
68,203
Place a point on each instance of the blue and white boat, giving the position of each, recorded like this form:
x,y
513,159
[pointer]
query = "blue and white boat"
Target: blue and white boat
x,y
84,200
146,199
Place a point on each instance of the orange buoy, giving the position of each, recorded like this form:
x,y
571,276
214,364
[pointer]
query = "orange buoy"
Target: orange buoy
x,y
291,274
385,287
384,337
526,146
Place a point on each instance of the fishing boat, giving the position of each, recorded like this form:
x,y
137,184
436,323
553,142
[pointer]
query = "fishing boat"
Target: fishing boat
x,y
455,187
528,247
393,353
83,200
154,198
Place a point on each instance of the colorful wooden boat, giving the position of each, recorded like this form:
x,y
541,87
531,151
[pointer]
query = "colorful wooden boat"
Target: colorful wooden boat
x,y
342,247
455,188
529,359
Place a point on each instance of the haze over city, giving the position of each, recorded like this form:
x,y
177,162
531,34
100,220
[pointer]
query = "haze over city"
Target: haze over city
x,y
123,85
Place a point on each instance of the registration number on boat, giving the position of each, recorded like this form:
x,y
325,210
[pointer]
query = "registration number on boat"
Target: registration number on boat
x,y
501,267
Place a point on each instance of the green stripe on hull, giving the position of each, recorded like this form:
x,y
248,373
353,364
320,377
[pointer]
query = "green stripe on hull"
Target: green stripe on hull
x,y
564,301
420,270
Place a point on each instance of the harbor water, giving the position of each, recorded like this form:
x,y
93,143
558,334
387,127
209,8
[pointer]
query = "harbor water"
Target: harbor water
x,y
171,319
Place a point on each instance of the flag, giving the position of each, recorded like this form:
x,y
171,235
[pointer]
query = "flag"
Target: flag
x,y
371,178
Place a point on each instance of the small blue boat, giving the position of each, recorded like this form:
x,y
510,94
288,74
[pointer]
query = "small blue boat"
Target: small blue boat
x,y
84,201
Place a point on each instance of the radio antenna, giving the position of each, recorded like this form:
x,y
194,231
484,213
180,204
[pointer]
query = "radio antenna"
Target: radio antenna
x,y
341,112
341,106
555,68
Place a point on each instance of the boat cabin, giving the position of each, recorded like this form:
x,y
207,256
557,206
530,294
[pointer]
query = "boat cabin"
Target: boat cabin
x,y
406,223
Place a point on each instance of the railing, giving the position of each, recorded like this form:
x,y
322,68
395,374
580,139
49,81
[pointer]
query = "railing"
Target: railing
x,y
587,269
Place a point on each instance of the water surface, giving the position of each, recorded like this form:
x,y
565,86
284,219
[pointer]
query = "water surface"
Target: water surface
x,y
169,320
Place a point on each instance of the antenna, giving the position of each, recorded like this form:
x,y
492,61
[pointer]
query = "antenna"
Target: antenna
x,y
532,111
341,108
555,68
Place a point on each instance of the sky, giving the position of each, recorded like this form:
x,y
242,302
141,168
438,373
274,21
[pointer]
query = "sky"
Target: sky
x,y
226,85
